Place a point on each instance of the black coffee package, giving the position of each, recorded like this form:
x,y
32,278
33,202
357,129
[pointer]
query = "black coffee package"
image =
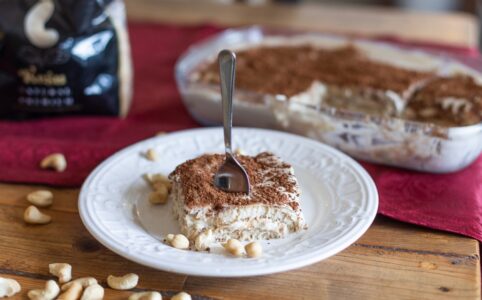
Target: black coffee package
x,y
64,57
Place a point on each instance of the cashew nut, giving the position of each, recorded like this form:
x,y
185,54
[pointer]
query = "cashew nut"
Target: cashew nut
x,y
239,151
146,296
41,198
62,271
234,247
93,292
178,241
72,293
55,161
84,282
33,215
181,296
203,240
156,180
162,185
50,291
161,133
159,196
151,155
254,249
9,287
126,282
169,238
34,25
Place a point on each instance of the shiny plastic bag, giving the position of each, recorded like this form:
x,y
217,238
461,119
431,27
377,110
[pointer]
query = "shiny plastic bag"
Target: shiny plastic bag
x,y
62,57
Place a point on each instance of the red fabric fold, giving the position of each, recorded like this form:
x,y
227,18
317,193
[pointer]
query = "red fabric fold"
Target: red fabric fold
x,y
451,202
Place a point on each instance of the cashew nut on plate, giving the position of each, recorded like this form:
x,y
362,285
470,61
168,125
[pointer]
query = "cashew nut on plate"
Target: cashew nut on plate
x,y
234,247
253,249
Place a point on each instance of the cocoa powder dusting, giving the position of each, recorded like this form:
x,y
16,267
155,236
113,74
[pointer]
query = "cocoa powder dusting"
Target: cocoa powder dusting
x,y
290,70
457,86
430,99
267,176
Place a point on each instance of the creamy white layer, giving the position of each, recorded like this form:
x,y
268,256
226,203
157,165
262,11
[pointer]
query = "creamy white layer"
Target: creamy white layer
x,y
257,221
250,222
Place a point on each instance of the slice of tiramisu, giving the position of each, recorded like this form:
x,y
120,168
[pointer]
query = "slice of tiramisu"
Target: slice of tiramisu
x,y
271,210
447,101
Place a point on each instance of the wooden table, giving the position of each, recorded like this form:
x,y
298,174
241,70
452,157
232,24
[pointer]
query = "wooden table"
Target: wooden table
x,y
391,261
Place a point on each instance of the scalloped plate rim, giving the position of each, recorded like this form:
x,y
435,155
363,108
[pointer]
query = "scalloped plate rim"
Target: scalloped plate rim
x,y
335,248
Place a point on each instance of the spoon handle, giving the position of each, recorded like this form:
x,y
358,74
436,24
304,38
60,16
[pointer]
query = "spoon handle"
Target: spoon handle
x,y
227,68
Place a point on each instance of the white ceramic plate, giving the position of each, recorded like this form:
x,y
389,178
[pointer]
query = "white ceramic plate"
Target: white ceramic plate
x,y
339,201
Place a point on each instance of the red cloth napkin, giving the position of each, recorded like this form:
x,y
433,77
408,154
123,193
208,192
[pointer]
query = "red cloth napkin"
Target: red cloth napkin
x,y
451,202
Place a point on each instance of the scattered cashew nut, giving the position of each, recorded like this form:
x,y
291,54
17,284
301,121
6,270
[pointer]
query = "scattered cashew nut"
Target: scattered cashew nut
x,y
33,215
169,238
93,292
55,161
62,271
156,180
126,282
181,296
151,155
234,247
41,198
203,240
146,296
254,249
72,293
162,185
178,241
9,287
84,282
159,196
50,291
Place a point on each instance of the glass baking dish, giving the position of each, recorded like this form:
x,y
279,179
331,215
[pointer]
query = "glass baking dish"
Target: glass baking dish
x,y
385,140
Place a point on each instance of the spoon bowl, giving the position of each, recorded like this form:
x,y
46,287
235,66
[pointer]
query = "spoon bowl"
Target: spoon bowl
x,y
231,176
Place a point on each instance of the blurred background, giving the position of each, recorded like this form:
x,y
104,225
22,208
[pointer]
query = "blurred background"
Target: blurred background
x,y
430,5
379,16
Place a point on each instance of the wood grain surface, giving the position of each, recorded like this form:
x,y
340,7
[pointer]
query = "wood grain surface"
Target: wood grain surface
x,y
392,259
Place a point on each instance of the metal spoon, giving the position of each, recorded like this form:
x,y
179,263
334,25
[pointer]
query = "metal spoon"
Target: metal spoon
x,y
231,176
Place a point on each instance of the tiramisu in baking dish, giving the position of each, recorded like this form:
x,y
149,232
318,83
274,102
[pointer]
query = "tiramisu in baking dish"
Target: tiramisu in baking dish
x,y
271,210
447,101
346,78
342,77
376,101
